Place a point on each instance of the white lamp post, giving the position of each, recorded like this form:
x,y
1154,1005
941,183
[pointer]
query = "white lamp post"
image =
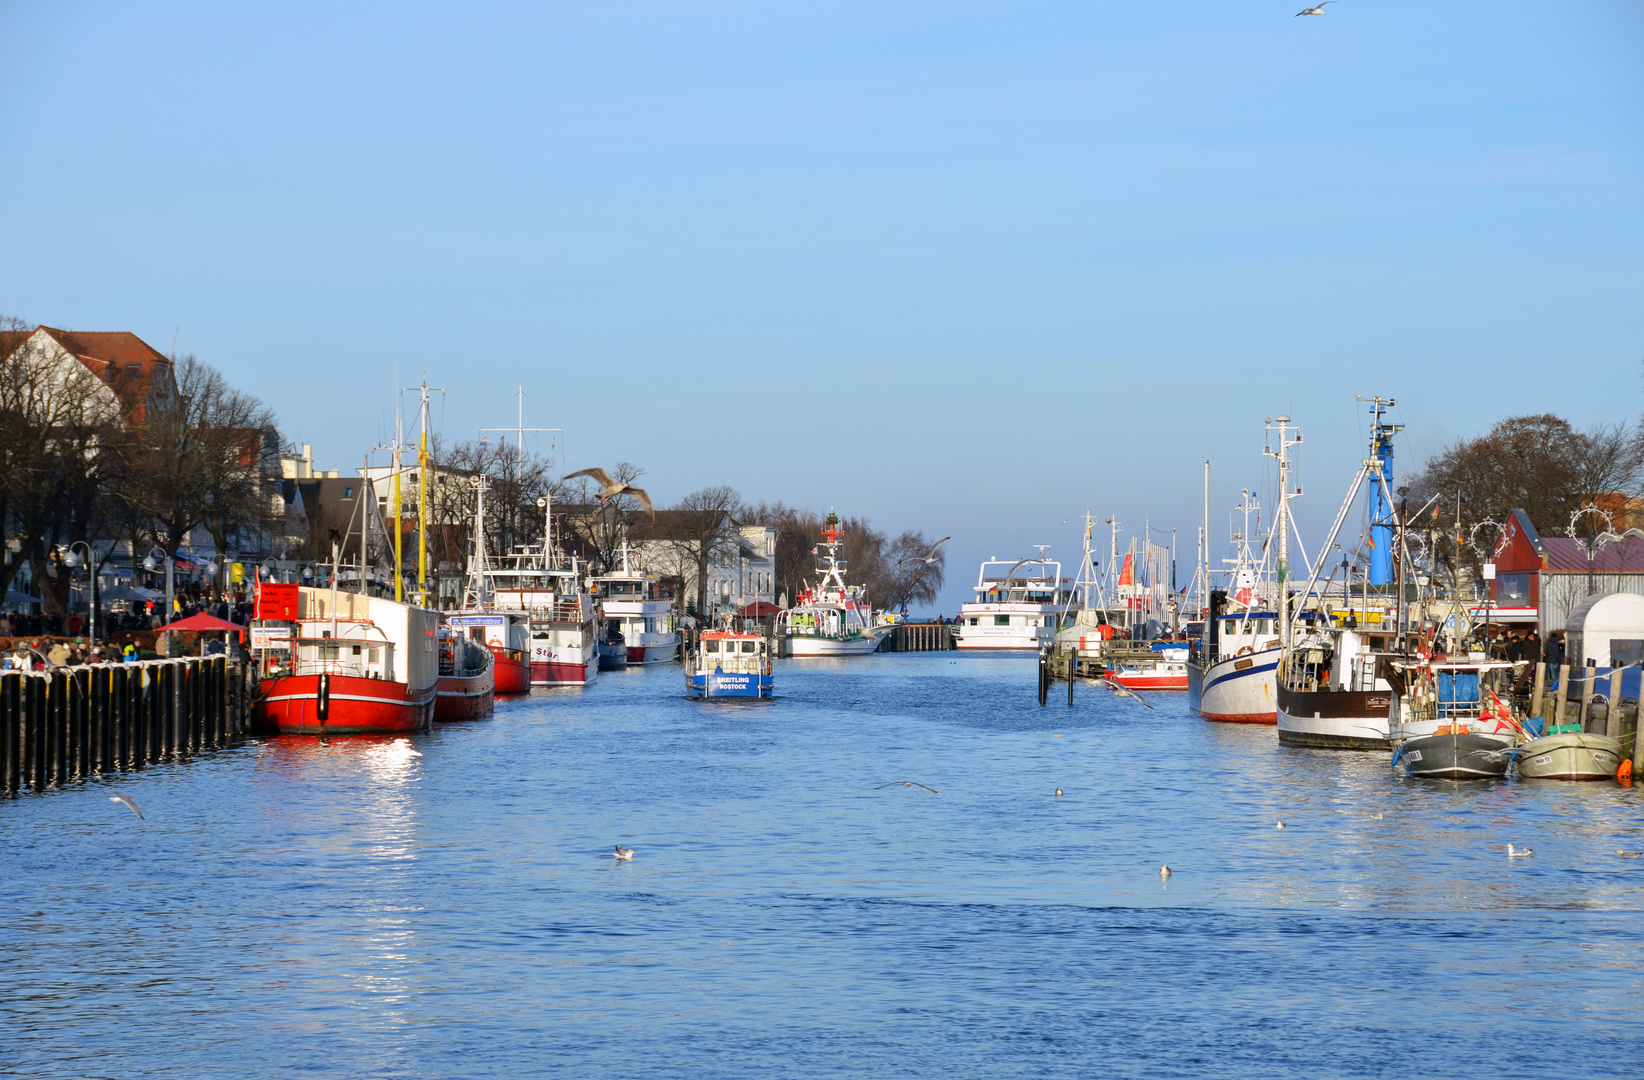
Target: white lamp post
x,y
151,564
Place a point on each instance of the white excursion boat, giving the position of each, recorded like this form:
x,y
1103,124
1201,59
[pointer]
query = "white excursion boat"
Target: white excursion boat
x,y
832,618
638,614
1015,607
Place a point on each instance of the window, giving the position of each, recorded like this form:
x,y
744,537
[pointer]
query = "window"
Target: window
x,y
1001,620
477,633
356,650
1513,589
710,646
376,656
134,369
348,493
1624,653
973,620
750,646
1232,626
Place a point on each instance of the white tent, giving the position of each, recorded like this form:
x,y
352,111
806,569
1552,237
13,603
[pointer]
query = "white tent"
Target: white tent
x,y
1608,629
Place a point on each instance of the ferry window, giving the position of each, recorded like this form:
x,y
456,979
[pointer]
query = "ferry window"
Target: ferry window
x,y
1001,620
477,633
356,650
749,646
973,621
711,646
376,656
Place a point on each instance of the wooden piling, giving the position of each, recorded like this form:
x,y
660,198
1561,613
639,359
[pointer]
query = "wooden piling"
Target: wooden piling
x,y
1587,674
1538,689
11,712
1563,694
1612,719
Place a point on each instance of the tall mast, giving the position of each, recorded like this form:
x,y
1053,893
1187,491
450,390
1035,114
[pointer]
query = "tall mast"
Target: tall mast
x,y
423,482
1204,550
399,554
1282,523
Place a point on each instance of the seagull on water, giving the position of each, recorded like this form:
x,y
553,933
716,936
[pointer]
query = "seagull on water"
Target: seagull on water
x,y
1628,854
1314,10
624,854
1058,793
1119,691
1280,825
610,489
1518,853
908,783
128,802
1164,871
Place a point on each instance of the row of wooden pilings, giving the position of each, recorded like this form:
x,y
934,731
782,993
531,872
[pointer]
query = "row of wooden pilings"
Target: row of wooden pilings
x,y
74,724
919,637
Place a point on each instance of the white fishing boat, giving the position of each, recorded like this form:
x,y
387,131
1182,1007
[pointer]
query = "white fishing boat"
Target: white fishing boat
x,y
534,582
640,621
1016,606
1232,679
832,618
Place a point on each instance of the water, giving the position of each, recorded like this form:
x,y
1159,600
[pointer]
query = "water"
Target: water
x,y
447,906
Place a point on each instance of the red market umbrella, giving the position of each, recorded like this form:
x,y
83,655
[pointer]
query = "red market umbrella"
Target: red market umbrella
x,y
207,623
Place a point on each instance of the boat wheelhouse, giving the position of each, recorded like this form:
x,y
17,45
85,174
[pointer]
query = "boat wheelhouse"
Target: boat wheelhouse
x,y
1016,605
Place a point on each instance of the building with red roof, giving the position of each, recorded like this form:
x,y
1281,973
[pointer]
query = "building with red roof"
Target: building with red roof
x,y
1540,578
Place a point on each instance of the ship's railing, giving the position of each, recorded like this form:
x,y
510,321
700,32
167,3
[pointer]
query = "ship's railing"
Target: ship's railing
x,y
573,611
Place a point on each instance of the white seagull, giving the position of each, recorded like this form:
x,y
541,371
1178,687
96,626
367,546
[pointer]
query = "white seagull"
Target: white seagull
x,y
908,783
1280,825
1314,10
624,854
128,802
610,489
1164,871
1628,854
929,557
1518,853
1119,691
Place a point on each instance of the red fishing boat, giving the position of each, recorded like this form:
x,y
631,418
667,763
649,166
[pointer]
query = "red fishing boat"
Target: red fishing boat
x,y
466,686
333,663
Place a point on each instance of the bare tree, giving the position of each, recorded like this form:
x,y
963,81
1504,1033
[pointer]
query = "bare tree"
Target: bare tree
x,y
701,525
797,533
914,573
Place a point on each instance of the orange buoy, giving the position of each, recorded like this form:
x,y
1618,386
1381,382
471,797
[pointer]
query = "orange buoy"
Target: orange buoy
x,y
1624,775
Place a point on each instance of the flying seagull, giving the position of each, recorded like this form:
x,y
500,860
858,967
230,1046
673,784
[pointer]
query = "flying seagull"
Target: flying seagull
x,y
1518,853
929,557
908,783
1314,10
610,489
624,854
128,802
1119,691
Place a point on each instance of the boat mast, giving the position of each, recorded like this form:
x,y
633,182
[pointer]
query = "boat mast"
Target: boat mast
x,y
1282,524
423,482
1204,549
399,554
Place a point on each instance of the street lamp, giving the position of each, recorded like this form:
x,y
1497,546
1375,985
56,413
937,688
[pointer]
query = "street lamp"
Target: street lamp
x,y
71,560
151,564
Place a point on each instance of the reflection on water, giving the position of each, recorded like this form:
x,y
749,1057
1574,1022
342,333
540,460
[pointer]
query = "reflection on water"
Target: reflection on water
x,y
448,905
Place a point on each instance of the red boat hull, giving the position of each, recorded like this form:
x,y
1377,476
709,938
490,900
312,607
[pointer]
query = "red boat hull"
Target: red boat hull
x,y
465,698
513,673
553,673
1135,681
352,706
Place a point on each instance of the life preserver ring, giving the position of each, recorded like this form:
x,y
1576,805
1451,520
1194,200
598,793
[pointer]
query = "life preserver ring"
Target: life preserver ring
x,y
1246,651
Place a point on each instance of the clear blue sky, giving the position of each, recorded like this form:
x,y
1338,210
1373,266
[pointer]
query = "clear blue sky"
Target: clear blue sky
x,y
963,267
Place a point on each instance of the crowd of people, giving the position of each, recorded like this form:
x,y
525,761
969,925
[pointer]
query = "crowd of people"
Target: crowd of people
x,y
63,640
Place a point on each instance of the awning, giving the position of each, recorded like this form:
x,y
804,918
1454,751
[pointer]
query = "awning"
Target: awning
x,y
758,609
207,623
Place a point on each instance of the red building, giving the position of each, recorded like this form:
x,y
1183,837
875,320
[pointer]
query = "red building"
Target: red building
x,y
1540,578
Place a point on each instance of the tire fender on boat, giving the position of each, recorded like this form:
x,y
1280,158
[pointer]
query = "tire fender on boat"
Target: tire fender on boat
x,y
1246,651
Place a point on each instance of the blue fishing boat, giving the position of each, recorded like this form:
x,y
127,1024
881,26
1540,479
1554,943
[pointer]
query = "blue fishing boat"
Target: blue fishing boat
x,y
729,664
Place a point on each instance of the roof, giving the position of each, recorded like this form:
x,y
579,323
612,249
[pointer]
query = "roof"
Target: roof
x,y
127,363
1522,548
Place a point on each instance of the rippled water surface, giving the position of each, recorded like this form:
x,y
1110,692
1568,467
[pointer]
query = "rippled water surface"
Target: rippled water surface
x,y
447,906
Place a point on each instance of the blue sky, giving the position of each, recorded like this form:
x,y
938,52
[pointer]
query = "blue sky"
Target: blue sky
x,y
964,267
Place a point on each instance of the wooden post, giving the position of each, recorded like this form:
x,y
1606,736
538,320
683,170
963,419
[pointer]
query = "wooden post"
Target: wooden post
x,y
10,713
34,726
1563,694
1612,720
1538,689
1587,672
